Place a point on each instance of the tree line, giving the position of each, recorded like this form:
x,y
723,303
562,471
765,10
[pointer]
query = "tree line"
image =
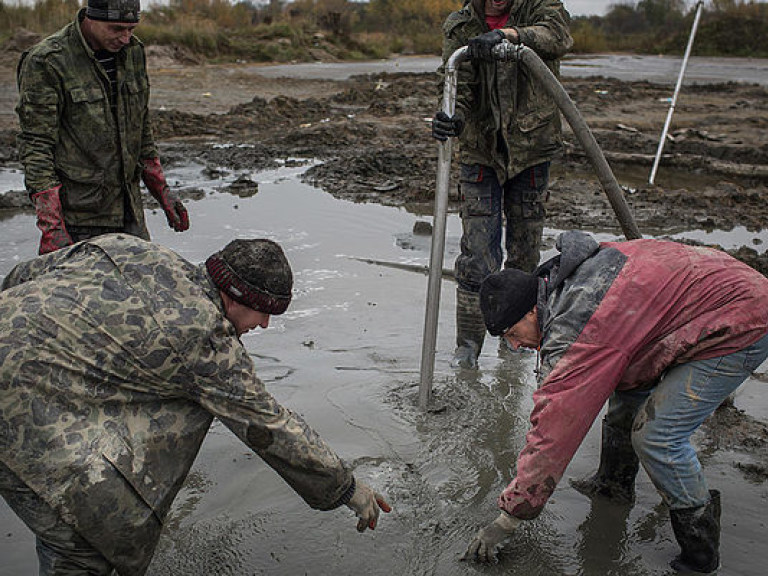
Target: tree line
x,y
279,30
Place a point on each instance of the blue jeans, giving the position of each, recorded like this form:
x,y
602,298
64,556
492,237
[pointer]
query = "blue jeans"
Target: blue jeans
x,y
485,206
664,418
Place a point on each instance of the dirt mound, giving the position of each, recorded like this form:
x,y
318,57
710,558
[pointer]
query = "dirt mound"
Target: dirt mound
x,y
169,56
21,40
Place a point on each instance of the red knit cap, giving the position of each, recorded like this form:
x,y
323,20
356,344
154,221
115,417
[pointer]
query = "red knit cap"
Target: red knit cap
x,y
255,273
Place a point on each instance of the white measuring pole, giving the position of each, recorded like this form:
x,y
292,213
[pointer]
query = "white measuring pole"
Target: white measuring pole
x,y
677,91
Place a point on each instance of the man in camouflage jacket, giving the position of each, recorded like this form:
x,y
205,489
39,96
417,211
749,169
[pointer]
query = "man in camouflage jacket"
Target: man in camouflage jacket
x,y
509,131
115,356
85,138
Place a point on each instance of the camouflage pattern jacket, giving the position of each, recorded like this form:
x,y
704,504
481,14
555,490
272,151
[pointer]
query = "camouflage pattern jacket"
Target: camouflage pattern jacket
x,y
70,136
615,316
116,356
511,122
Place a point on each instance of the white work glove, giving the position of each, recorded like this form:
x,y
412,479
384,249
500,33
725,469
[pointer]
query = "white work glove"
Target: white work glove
x,y
366,503
483,545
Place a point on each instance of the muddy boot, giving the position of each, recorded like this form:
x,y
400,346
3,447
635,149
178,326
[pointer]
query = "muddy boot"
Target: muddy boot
x,y
615,478
470,329
697,530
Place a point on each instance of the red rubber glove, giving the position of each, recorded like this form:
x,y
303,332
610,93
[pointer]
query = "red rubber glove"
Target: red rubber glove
x,y
154,179
50,220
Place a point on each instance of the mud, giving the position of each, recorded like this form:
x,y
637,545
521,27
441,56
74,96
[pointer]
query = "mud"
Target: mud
x,y
354,161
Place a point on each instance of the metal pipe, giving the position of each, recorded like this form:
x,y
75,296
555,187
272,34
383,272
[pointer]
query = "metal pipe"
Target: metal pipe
x,y
445,154
503,51
671,111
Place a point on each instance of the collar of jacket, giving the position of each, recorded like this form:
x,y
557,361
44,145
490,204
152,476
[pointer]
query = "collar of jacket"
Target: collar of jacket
x,y
211,290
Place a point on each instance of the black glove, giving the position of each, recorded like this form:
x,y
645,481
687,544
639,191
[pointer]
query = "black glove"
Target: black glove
x,y
481,47
444,126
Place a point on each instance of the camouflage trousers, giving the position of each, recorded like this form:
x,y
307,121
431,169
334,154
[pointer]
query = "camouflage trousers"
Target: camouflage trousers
x,y
60,550
487,207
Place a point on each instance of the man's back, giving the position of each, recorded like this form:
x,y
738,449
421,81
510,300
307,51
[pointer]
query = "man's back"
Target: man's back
x,y
99,344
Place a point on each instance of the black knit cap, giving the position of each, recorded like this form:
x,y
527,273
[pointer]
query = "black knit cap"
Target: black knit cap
x,y
255,273
127,11
505,297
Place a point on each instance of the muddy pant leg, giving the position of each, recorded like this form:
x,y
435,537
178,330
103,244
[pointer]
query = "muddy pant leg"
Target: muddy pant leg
x,y
481,225
684,398
60,550
480,255
615,477
524,197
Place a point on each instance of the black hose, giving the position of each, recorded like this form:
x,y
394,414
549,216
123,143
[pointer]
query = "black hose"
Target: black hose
x,y
604,173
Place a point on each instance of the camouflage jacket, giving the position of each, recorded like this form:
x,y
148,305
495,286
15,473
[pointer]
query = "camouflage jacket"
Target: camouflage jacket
x,y
115,356
511,122
70,136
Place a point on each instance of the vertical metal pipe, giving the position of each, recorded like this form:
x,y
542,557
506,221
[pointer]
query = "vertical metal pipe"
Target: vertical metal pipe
x,y
532,61
445,155
671,111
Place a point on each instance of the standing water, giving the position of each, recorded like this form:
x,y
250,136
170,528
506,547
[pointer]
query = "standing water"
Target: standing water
x,y
346,356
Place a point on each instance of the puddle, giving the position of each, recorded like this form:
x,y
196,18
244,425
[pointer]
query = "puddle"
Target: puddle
x,y
346,356
11,179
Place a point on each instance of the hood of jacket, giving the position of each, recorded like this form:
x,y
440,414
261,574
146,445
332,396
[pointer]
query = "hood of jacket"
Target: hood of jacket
x,y
574,247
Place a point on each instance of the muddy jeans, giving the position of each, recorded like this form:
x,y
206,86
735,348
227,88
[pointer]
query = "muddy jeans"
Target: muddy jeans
x,y
485,206
664,418
60,550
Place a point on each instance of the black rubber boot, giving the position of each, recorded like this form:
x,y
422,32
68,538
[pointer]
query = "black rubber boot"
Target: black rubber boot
x,y
470,329
697,530
615,478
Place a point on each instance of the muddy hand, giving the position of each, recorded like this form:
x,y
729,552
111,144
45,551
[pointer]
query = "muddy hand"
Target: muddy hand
x,y
483,545
366,504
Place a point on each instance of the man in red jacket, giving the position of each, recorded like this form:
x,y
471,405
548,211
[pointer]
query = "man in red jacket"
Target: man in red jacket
x,y
663,332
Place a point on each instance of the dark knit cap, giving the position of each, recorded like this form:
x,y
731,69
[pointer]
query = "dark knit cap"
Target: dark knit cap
x,y
505,297
255,273
127,11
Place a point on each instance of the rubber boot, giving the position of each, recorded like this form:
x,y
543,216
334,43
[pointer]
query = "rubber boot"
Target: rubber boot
x,y
615,477
697,530
470,329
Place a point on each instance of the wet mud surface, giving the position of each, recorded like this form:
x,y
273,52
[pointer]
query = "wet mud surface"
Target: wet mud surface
x,y
350,170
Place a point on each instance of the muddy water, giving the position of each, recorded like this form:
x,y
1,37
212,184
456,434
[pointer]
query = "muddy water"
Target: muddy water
x,y
658,69
346,356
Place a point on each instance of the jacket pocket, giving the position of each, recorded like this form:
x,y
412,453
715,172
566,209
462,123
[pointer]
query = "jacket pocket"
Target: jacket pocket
x,y
536,108
87,124
537,117
83,188
83,95
475,191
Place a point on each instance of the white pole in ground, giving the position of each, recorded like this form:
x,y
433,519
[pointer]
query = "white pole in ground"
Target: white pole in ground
x,y
652,177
